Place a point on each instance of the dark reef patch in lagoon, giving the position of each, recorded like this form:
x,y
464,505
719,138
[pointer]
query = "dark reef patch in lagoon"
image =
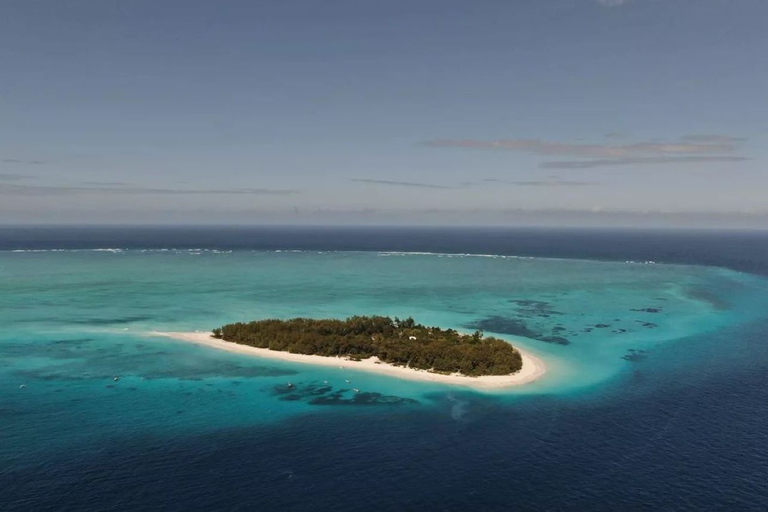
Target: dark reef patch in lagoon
x,y
362,398
714,300
72,340
503,325
535,308
559,340
94,369
635,355
110,321
220,369
647,310
315,394
514,327
302,392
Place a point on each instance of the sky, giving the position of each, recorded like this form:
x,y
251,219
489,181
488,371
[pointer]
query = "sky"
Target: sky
x,y
482,112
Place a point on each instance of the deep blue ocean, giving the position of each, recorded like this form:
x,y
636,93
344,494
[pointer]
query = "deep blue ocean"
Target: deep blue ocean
x,y
656,395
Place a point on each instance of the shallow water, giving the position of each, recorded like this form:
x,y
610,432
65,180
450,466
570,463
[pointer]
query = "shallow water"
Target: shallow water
x,y
638,353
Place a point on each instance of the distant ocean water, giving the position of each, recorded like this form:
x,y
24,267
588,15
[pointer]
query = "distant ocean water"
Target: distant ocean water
x,y
656,344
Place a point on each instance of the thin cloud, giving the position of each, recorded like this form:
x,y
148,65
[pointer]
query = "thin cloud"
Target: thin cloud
x,y
24,162
710,139
49,190
13,177
552,183
401,183
551,148
612,3
106,184
611,162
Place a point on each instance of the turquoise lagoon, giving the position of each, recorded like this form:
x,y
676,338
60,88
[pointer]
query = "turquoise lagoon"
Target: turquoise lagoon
x,y
73,320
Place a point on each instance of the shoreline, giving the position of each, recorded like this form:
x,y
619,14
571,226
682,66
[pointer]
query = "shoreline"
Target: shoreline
x,y
533,367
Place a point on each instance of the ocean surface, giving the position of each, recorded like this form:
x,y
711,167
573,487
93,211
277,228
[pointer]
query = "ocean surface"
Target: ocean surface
x,y
656,396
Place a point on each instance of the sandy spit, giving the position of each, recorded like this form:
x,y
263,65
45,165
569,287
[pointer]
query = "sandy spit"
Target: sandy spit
x,y
533,367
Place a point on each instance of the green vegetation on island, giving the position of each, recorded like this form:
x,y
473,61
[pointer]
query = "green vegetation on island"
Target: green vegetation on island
x,y
393,341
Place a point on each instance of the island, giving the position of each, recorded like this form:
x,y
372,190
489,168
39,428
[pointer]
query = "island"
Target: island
x,y
397,347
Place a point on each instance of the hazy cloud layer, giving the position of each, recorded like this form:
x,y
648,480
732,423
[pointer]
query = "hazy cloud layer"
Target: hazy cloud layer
x,y
466,184
400,183
550,148
24,162
12,177
717,139
106,184
52,190
696,148
551,183
612,3
611,162
559,213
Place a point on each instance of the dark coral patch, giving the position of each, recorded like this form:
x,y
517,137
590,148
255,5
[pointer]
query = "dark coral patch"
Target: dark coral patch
x,y
514,327
363,398
534,308
315,394
635,355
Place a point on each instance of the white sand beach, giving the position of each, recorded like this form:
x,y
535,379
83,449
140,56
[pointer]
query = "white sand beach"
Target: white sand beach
x,y
533,367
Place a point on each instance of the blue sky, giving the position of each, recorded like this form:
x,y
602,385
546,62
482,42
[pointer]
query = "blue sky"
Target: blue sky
x,y
647,112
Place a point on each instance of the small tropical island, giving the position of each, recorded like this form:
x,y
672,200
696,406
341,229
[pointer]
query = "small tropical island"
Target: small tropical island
x,y
394,341
397,347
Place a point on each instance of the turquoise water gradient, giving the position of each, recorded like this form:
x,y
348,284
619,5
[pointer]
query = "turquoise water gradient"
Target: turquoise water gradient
x,y
74,320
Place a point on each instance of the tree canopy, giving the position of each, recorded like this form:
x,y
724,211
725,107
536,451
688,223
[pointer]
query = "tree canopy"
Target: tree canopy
x,y
394,341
